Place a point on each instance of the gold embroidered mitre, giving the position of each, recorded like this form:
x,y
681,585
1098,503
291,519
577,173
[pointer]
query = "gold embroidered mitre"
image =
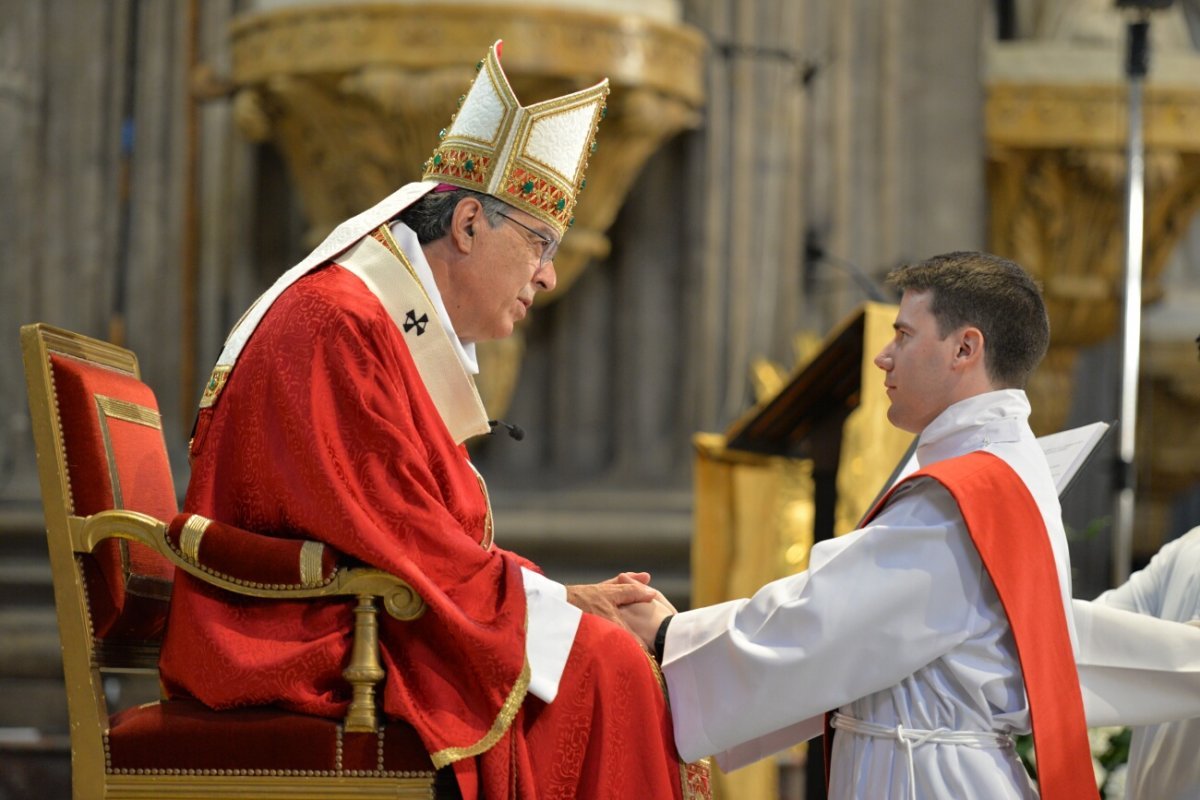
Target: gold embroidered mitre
x,y
531,157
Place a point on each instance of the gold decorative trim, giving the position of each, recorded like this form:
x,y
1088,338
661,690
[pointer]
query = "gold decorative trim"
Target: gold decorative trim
x,y
136,655
504,719
115,408
59,436
230,579
190,536
695,777
125,411
216,382
336,772
416,786
129,412
73,345
310,563
383,234
80,572
401,774
488,525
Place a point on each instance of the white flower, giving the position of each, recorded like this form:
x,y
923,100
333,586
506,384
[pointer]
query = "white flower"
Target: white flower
x,y
1100,738
1116,783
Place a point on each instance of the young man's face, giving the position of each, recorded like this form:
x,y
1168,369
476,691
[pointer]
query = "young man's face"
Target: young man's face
x,y
917,365
494,288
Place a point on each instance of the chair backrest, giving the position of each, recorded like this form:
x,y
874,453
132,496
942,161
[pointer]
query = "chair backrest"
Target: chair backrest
x,y
100,446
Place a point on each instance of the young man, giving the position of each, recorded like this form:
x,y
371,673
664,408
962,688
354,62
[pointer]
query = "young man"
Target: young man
x,y
338,411
901,625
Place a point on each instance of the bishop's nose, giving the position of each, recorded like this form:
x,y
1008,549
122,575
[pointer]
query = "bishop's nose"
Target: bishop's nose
x,y
546,278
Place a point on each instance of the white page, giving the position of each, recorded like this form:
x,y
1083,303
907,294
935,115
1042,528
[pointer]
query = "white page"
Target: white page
x,y
1067,451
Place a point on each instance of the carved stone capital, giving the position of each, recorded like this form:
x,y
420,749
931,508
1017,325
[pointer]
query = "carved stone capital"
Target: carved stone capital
x,y
1056,177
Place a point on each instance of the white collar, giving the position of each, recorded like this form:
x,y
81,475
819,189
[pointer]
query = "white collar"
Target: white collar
x,y
974,424
407,241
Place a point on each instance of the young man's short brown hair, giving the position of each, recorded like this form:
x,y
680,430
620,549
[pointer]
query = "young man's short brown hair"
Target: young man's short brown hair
x,y
992,294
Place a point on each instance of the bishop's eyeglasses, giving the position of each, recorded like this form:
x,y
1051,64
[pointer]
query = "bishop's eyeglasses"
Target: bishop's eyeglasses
x,y
548,247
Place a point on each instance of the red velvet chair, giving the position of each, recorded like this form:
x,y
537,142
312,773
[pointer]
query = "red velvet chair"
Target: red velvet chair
x,y
115,541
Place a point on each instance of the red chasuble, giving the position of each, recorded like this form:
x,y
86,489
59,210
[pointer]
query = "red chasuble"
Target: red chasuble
x,y
1007,529
325,431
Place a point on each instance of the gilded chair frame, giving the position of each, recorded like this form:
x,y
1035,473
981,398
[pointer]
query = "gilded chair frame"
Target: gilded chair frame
x,y
69,535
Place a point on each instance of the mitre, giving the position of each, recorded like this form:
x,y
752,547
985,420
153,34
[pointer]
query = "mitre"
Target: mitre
x,y
531,157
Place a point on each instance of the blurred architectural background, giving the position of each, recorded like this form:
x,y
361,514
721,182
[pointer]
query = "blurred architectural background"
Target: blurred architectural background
x,y
764,164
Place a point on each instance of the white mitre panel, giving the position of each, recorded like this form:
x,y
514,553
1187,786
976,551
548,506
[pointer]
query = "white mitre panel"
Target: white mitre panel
x,y
559,139
481,113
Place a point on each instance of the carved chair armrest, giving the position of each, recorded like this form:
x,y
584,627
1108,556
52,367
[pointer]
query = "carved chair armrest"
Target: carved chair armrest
x,y
251,564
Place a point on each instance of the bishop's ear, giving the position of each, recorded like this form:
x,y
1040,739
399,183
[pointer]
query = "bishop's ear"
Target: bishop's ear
x,y
467,215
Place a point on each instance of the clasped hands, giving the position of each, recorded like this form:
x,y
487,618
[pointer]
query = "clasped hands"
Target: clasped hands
x,y
627,600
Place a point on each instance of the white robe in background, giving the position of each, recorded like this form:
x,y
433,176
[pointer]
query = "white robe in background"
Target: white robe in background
x,y
895,623
1164,760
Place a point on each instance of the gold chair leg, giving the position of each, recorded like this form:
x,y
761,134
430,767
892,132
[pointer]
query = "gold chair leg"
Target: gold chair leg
x,y
364,670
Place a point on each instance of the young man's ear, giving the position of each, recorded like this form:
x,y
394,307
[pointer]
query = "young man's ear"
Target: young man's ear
x,y
970,345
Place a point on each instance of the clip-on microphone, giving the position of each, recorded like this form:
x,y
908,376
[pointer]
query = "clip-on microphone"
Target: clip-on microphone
x,y
515,431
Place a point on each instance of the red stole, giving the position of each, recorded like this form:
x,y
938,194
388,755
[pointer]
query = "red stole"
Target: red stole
x,y
1007,529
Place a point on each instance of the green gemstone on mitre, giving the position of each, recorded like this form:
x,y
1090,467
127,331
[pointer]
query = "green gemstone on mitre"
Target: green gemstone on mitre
x,y
437,160
527,187
561,204
469,165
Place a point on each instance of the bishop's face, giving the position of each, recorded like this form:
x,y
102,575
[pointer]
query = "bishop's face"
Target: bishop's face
x,y
510,263
917,365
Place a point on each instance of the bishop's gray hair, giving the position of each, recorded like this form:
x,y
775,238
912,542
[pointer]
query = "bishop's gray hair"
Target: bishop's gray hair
x,y
430,216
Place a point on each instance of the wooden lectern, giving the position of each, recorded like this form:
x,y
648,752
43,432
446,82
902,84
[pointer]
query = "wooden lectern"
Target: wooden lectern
x,y
803,465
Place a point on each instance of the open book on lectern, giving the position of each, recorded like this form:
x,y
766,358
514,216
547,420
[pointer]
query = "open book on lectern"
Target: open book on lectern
x,y
1066,453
